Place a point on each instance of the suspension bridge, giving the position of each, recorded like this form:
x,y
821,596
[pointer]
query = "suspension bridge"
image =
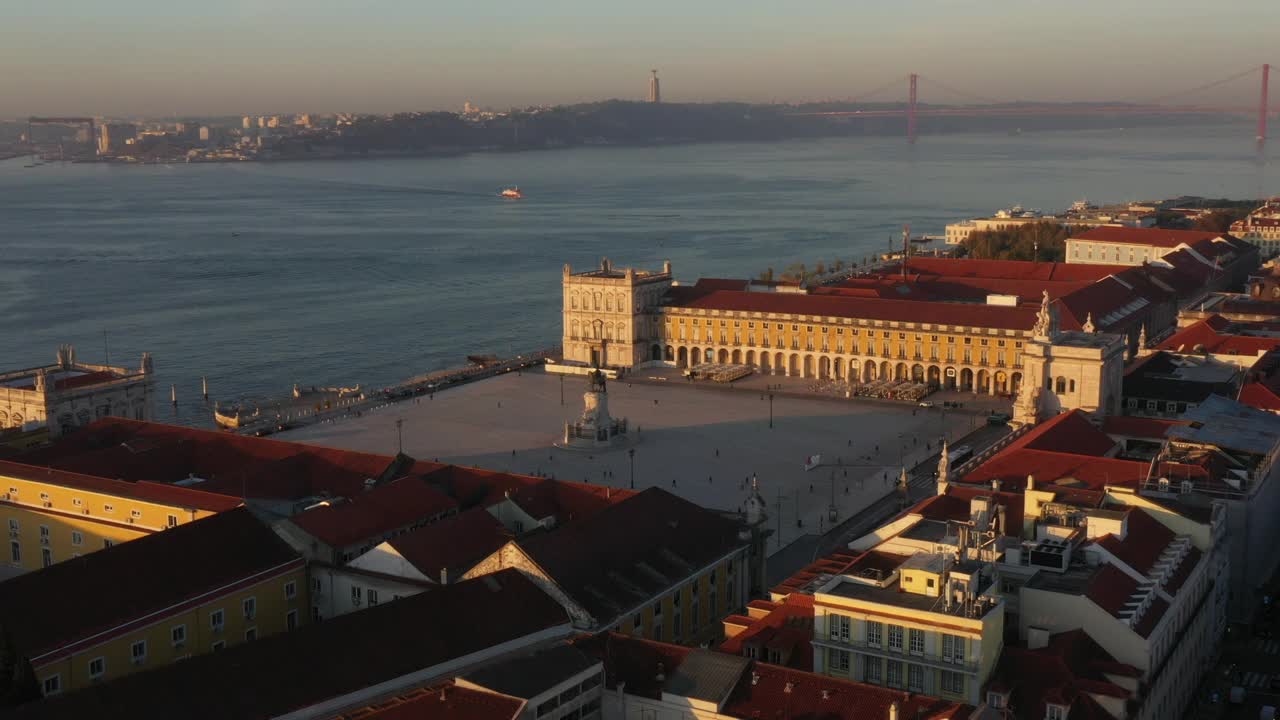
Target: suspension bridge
x,y
978,105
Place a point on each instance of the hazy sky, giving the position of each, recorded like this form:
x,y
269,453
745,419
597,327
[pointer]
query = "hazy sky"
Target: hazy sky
x,y
157,57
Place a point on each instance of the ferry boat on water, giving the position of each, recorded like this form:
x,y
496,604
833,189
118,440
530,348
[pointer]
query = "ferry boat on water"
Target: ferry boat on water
x,y
512,193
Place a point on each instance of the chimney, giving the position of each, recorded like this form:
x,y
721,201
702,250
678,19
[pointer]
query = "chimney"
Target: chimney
x,y
893,710
995,484
1031,482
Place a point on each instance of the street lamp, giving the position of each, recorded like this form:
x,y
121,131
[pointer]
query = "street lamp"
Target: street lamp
x,y
631,455
399,436
770,411
562,390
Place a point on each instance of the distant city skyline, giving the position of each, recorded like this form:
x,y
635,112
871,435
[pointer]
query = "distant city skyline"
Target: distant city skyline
x,y
147,58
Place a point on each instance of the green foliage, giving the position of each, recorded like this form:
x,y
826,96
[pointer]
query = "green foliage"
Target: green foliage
x,y
1019,243
1220,220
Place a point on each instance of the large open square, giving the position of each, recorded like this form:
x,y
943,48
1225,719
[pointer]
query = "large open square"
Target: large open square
x,y
701,442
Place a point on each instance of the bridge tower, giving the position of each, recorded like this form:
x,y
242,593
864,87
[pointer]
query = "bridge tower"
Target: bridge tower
x,y
911,110
1262,105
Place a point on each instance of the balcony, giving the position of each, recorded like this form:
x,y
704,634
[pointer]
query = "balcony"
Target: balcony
x,y
933,661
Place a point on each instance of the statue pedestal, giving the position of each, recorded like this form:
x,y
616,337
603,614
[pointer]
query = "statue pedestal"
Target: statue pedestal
x,y
594,429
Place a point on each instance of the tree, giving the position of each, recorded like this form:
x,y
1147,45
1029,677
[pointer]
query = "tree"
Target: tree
x,y
1041,241
1219,220
18,683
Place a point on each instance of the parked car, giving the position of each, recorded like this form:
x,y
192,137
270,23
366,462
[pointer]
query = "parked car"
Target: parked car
x,y
925,404
998,418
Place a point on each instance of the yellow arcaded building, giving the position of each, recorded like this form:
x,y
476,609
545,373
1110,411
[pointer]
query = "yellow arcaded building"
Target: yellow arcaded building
x,y
200,587
54,515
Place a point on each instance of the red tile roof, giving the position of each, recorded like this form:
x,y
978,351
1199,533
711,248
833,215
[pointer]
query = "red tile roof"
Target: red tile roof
x,y
1213,335
652,534
442,702
153,574
454,544
1137,427
1155,237
284,673
1151,617
940,313
763,694
408,501
761,691
1110,588
71,382
230,464
172,495
788,628
1066,671
1145,540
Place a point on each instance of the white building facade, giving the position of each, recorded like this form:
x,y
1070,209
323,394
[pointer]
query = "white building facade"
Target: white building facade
x,y
71,394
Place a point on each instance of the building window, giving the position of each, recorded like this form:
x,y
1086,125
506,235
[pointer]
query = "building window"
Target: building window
x,y
291,620
356,592
108,508
13,526
952,648
838,660
874,631
53,685
1071,385
872,673
172,521
915,678
290,590
77,538
251,634
1055,712
138,652
44,534
547,707
916,638
373,597
107,542
895,637
15,551
46,557
1060,385
135,514
178,633
893,673
250,606
216,620
838,627
97,668
953,682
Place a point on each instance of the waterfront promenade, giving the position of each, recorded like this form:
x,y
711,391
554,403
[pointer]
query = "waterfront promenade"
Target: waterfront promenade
x,y
702,443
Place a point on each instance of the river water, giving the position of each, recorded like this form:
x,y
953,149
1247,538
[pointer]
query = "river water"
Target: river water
x,y
259,275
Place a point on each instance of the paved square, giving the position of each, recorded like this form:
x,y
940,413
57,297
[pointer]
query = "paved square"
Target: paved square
x,y
700,442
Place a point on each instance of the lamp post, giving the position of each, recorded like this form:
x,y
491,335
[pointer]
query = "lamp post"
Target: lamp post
x,y
562,391
399,436
631,455
770,411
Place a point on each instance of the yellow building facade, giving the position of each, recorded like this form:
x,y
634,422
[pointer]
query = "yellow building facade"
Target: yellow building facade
x,y
263,606
51,516
985,360
690,614
899,631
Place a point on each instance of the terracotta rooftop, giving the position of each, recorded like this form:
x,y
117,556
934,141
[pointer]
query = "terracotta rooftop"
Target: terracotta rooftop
x,y
176,496
229,464
1066,671
761,690
133,580
284,673
1155,237
787,627
1138,427
1142,545
1215,334
403,502
454,544
651,541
